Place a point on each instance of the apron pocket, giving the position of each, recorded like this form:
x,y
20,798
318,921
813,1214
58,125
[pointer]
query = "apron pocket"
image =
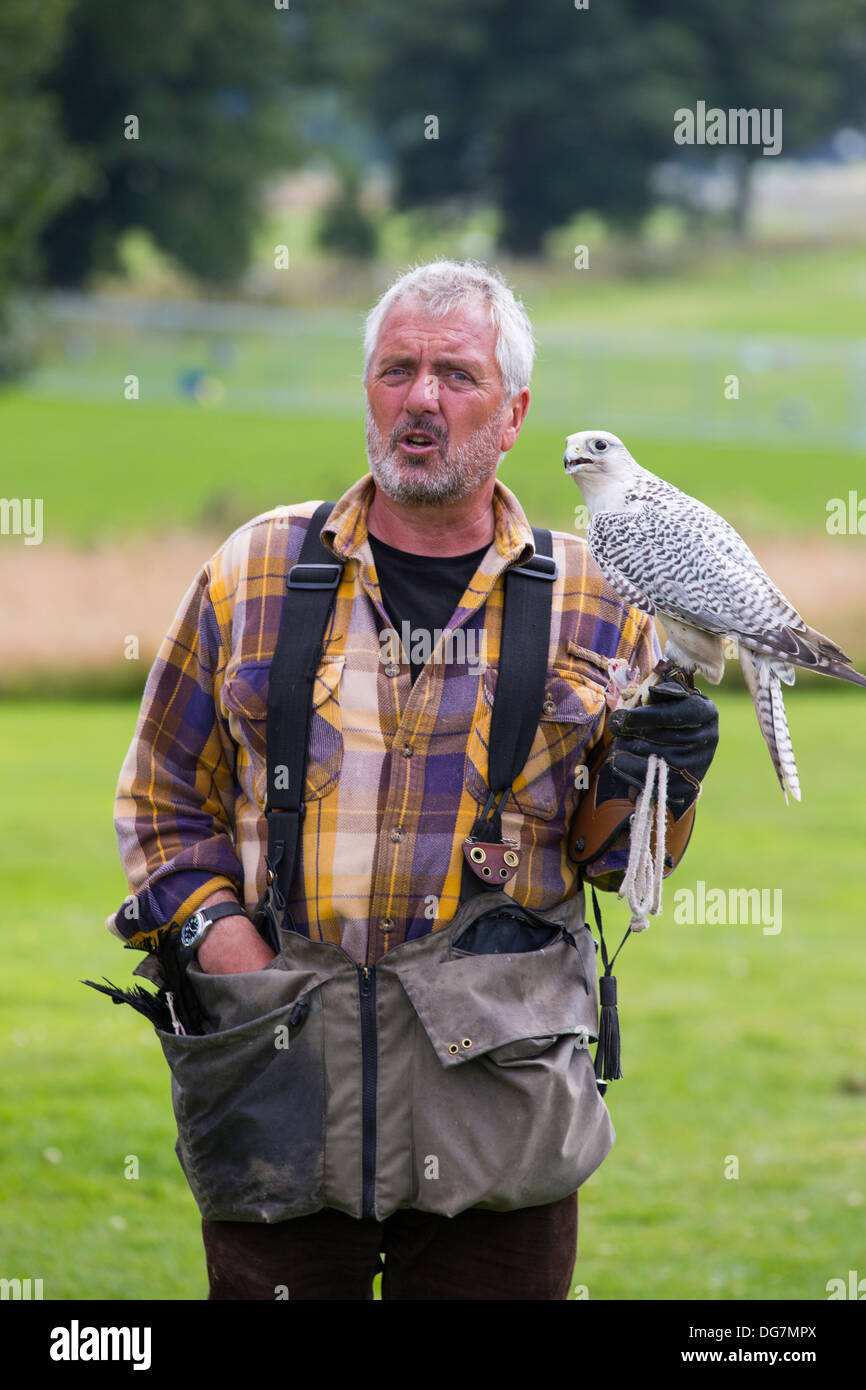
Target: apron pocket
x,y
506,1111
249,1102
504,931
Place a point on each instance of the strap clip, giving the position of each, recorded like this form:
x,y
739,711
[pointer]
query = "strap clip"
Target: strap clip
x,y
325,576
538,567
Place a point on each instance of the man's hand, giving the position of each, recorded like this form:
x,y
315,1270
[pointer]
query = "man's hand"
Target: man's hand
x,y
679,725
232,946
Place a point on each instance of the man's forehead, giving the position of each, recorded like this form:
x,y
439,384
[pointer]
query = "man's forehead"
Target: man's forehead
x,y
409,325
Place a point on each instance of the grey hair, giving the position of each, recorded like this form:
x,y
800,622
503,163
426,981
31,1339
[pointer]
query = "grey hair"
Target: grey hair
x,y
440,286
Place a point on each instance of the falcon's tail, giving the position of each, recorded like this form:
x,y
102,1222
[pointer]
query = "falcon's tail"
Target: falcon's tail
x,y
763,677
811,650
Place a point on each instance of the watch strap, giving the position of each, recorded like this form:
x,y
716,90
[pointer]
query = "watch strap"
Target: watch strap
x,y
201,921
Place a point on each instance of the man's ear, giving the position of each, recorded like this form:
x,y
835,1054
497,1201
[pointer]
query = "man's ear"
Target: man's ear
x,y
514,418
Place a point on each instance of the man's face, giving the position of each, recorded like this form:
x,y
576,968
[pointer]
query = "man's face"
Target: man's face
x,y
437,424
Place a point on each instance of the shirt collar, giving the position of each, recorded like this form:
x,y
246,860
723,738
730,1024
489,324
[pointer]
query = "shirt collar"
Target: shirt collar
x,y
345,530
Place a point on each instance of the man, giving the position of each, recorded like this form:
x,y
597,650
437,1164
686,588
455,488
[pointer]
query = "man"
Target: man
x,y
396,769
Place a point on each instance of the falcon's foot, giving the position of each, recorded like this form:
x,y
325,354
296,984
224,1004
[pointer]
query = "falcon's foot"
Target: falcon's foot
x,y
664,671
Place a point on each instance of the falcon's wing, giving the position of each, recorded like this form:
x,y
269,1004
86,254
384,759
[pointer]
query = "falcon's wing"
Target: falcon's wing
x,y
623,584
687,561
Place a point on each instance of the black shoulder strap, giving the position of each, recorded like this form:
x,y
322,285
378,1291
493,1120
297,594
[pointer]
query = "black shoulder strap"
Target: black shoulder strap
x,y
312,583
523,654
522,662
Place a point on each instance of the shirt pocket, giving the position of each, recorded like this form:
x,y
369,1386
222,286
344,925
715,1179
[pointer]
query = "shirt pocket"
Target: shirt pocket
x,y
571,713
244,700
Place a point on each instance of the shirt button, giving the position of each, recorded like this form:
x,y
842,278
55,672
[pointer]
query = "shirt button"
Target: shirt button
x,y
392,670
408,750
549,706
386,924
397,833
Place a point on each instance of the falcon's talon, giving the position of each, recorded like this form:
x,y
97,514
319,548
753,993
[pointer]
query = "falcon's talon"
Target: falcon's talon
x,y
684,678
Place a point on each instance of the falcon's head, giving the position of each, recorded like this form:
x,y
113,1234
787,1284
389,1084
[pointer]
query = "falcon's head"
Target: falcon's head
x,y
596,452
601,466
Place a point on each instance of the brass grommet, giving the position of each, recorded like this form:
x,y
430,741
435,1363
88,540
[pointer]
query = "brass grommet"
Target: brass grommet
x,y
467,1042
477,855
511,859
486,871
452,1047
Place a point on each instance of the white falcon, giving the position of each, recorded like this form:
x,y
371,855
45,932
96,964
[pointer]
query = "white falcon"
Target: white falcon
x,y
665,552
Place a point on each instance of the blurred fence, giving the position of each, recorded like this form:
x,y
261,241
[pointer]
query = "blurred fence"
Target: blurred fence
x,y
255,358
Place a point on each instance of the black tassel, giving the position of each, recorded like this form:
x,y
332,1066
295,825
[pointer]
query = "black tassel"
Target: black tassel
x,y
607,1053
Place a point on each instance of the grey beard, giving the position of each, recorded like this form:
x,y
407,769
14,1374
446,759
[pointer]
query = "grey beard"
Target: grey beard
x,y
457,475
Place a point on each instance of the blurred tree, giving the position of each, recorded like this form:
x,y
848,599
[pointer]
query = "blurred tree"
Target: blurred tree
x,y
209,84
789,55
344,226
548,109
39,171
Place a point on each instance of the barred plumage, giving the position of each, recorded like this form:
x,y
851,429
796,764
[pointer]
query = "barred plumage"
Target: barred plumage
x,y
665,552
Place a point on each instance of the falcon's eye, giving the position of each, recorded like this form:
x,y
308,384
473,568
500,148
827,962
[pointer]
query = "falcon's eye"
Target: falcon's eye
x,y
599,445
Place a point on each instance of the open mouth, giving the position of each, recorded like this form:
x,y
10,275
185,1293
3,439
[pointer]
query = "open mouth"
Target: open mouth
x,y
572,465
418,442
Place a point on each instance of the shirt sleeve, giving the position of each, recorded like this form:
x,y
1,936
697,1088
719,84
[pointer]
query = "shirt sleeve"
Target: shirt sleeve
x,y
174,808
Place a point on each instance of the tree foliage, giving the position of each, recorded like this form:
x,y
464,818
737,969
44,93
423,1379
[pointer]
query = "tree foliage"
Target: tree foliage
x,y
547,110
39,171
209,83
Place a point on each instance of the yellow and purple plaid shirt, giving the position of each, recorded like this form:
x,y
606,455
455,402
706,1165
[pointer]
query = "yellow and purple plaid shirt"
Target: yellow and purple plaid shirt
x,y
396,771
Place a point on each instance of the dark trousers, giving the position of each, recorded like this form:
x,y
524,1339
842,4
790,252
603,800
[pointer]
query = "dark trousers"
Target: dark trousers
x,y
526,1254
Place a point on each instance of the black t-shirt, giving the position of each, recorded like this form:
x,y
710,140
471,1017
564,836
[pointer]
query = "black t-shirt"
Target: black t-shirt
x,y
422,590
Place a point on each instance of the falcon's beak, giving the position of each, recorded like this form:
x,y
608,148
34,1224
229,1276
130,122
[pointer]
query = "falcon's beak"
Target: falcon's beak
x,y
573,461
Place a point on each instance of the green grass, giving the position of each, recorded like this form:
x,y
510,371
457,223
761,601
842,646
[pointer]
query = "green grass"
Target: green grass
x,y
112,471
817,291
287,419
735,1042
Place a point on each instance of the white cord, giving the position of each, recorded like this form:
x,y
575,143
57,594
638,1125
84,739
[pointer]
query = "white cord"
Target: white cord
x,y
642,885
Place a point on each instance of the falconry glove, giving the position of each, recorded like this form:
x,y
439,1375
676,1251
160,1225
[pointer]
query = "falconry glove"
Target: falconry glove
x,y
678,724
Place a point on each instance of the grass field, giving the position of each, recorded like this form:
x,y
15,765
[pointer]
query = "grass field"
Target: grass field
x,y
108,471
736,1042
645,357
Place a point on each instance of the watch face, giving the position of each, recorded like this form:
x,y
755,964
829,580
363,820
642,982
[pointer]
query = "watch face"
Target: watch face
x,y
192,929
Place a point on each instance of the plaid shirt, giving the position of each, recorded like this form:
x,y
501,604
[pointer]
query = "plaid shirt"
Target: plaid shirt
x,y
396,772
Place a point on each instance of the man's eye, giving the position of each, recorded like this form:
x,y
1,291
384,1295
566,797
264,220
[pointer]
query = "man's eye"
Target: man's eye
x,y
464,375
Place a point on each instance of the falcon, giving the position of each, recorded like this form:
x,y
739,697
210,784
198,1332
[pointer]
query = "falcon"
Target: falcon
x,y
666,553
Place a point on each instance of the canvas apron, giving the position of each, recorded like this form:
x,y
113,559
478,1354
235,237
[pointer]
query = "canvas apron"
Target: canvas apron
x,y
438,1079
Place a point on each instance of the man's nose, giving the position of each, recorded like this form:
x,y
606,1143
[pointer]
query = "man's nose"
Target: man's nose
x,y
423,394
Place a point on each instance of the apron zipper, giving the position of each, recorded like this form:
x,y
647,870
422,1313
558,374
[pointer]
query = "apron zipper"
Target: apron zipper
x,y
367,986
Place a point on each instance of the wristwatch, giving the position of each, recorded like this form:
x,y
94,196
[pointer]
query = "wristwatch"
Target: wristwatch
x,y
196,927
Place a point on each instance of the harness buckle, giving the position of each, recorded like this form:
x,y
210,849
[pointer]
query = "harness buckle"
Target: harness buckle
x,y
299,576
